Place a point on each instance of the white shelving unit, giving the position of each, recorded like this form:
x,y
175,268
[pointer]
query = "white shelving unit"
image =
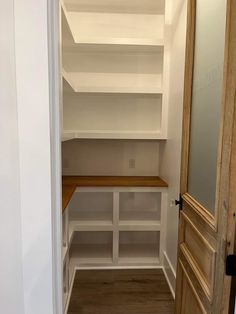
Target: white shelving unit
x,y
115,212
114,57
114,77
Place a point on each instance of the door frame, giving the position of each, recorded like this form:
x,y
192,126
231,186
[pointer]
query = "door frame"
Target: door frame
x,y
227,181
226,165
53,20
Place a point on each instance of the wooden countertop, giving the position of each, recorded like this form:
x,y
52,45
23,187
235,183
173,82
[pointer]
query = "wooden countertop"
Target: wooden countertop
x,y
70,183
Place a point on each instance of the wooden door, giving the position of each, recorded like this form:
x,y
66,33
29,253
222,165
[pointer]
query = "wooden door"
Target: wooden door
x,y
208,169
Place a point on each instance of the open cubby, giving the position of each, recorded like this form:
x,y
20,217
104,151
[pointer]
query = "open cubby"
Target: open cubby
x,y
91,209
139,247
91,248
140,207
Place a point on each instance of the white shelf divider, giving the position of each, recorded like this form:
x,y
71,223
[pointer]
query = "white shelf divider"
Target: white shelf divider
x,y
116,202
132,225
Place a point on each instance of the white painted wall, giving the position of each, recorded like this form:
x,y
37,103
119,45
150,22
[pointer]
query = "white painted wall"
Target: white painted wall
x,y
32,78
170,152
110,157
11,278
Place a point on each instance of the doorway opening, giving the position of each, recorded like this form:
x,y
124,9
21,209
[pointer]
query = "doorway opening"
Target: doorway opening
x,y
126,71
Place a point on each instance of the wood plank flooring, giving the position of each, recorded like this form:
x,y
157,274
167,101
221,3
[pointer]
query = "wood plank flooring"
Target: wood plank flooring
x,y
121,292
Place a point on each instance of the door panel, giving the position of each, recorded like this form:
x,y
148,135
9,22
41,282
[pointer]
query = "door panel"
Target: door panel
x,y
199,253
191,302
208,153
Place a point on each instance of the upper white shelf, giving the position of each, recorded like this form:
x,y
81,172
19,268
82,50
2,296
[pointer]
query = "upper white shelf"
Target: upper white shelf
x,y
118,6
114,82
111,134
111,28
119,41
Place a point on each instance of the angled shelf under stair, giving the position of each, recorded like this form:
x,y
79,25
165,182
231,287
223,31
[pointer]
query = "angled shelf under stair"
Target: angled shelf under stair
x,y
109,26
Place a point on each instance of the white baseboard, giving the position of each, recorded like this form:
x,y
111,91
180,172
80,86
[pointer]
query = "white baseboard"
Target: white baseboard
x,y
170,273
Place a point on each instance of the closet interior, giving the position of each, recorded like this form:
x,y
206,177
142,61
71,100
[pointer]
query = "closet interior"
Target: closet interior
x,y
115,77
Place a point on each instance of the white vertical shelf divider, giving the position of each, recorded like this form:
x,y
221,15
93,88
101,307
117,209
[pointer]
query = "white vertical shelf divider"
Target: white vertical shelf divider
x,y
116,201
164,201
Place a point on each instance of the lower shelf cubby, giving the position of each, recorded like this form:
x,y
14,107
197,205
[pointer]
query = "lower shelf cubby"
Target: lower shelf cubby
x,y
139,247
94,207
140,211
90,248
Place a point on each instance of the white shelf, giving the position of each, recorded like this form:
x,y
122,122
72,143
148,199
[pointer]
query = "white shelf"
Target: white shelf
x,y
122,6
90,254
98,134
127,225
88,225
135,83
138,254
112,28
120,41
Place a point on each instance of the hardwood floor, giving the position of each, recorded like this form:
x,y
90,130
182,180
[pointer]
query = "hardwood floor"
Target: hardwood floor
x,y
121,292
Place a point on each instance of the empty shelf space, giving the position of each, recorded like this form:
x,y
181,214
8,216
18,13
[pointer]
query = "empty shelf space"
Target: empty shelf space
x,y
139,247
89,116
91,247
88,225
118,6
144,208
114,28
87,209
107,44
138,254
134,83
90,254
109,134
